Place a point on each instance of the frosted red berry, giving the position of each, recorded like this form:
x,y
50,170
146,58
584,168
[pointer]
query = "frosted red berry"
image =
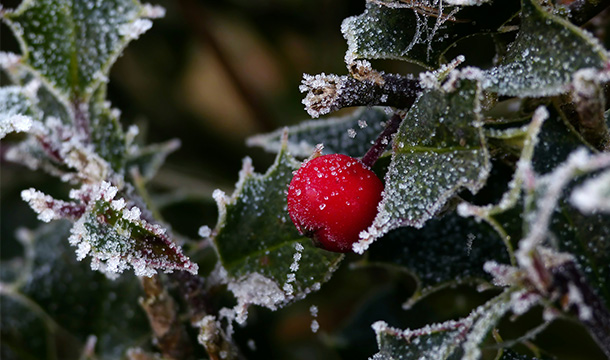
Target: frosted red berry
x,y
332,198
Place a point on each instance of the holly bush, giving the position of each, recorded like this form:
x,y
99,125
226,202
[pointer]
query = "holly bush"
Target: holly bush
x,y
487,121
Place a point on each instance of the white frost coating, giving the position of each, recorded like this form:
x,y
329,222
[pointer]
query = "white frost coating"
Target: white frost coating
x,y
205,231
503,275
45,205
258,290
152,11
9,60
579,161
575,298
523,301
14,123
315,326
466,2
208,329
593,195
134,29
132,215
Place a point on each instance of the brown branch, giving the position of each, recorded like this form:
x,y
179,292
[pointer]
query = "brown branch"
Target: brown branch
x,y
328,93
169,332
381,143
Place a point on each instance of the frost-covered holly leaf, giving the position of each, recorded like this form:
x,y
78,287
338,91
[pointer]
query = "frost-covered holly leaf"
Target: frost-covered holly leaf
x,y
418,33
438,150
459,339
547,51
446,251
107,134
267,262
350,134
112,231
16,111
57,306
72,44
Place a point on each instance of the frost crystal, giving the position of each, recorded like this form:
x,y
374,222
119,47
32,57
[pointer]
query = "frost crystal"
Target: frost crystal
x,y
255,289
14,123
593,195
205,231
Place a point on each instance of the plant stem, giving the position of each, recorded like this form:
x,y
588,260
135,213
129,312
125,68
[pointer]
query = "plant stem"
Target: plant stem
x,y
161,310
381,143
328,93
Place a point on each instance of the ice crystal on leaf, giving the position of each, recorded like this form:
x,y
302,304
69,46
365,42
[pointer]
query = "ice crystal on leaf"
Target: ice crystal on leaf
x,y
446,340
114,234
332,132
72,44
533,67
258,245
439,149
47,297
417,31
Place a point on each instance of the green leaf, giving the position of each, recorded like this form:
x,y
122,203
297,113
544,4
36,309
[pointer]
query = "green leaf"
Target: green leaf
x,y
267,262
446,251
72,44
438,150
459,339
418,34
547,51
106,132
112,230
58,304
350,134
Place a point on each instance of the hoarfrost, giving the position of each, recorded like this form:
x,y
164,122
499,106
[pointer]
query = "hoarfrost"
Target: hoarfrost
x,y
205,231
428,166
255,289
8,60
153,11
133,30
14,123
331,131
593,195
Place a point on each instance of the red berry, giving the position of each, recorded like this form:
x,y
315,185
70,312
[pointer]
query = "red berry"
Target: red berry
x,y
332,198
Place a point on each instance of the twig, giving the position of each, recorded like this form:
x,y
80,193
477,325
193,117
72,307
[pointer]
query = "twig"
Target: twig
x,y
382,141
169,332
328,93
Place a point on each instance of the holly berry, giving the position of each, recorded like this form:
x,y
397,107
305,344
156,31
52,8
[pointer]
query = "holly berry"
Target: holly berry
x,y
332,198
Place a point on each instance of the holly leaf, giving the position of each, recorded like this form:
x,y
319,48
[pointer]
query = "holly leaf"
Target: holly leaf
x,y
43,315
112,231
420,34
447,251
543,57
438,150
454,339
70,44
267,262
350,134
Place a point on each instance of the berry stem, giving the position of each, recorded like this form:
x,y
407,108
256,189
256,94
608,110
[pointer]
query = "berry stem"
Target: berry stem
x,y
381,143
